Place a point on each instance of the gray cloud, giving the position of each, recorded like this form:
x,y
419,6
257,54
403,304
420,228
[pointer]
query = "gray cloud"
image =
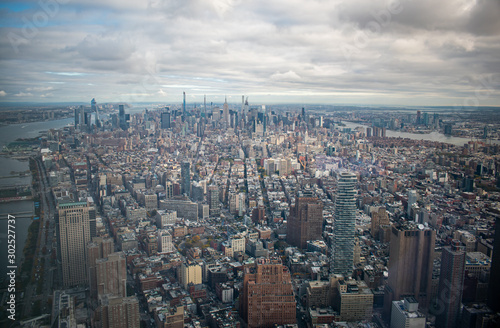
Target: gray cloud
x,y
357,51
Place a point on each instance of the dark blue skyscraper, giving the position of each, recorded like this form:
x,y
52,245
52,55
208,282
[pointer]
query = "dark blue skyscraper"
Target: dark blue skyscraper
x,y
122,117
165,119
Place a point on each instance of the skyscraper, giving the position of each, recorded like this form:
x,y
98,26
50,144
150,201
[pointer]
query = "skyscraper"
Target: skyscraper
x,y
185,178
74,235
122,117
97,249
266,298
213,200
225,113
344,225
494,285
410,265
183,103
93,108
119,312
112,275
305,221
451,284
412,199
165,119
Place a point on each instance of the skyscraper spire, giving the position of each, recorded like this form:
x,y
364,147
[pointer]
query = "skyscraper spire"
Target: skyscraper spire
x,y
184,103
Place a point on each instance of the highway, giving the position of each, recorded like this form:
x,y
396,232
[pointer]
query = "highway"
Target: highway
x,y
46,240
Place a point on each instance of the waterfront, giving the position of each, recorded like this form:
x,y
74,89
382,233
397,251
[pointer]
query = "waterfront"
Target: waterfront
x,y
10,166
433,136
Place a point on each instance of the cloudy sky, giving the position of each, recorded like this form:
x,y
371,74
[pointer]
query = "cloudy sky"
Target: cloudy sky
x,y
406,52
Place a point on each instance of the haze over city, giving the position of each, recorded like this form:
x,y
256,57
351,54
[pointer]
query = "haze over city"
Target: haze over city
x,y
357,52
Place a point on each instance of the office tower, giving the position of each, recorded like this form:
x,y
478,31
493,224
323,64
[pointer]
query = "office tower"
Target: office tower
x,y
184,103
243,106
410,265
448,129
93,108
344,225
205,107
494,286
112,275
425,120
418,117
121,117
185,178
77,116
119,312
405,314
213,200
82,117
165,119
225,113
379,218
97,249
266,298
451,284
412,199
74,235
354,300
182,206
306,219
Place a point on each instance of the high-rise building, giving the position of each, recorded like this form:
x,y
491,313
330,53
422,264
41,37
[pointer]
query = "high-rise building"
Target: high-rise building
x,y
119,312
165,244
169,189
412,199
344,225
379,218
451,284
165,119
494,285
266,298
122,117
97,249
184,103
74,235
185,178
190,273
112,275
353,300
225,113
93,108
306,219
213,200
410,264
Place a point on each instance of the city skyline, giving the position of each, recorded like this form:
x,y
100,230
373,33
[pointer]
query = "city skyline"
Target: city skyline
x,y
386,53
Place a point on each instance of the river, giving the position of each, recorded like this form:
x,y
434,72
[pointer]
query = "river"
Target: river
x,y
8,166
433,136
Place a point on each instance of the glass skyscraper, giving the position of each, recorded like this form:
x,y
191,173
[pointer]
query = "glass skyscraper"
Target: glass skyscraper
x,y
185,178
344,225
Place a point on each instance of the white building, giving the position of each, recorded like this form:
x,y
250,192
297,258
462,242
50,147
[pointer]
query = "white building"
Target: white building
x,y
165,244
405,314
